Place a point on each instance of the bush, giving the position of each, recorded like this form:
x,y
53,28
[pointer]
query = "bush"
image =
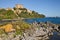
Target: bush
x,y
7,14
18,32
2,32
31,15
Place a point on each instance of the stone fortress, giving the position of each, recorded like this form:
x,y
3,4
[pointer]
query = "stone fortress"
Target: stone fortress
x,y
19,6
19,9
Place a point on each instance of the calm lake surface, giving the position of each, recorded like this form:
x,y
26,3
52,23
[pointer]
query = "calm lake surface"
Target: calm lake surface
x,y
52,20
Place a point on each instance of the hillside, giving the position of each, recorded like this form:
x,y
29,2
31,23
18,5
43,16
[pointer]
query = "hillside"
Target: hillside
x,y
18,12
7,14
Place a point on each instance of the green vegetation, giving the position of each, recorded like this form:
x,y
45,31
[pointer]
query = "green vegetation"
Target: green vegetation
x,y
7,14
20,27
18,32
31,15
2,31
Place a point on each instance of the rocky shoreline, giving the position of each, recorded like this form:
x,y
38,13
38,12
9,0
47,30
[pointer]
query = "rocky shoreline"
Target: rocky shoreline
x,y
38,31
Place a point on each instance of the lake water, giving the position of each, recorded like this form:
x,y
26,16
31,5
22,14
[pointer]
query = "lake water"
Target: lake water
x,y
53,20
55,36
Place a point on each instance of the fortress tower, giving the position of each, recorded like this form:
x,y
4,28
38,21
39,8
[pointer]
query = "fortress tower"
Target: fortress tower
x,y
19,6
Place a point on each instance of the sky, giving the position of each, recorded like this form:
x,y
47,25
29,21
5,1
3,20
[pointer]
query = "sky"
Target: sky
x,y
50,8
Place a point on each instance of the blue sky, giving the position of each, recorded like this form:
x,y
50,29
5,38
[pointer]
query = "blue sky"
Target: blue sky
x,y
50,8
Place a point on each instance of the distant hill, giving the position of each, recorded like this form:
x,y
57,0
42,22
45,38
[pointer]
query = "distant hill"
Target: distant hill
x,y
18,12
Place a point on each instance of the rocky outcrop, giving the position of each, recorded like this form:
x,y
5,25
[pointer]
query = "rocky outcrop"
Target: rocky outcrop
x,y
40,31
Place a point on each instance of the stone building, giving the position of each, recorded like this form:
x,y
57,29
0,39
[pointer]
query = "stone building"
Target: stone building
x,y
19,6
17,10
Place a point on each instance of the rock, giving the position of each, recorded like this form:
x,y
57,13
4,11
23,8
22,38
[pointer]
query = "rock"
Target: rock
x,y
36,32
0,38
59,27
